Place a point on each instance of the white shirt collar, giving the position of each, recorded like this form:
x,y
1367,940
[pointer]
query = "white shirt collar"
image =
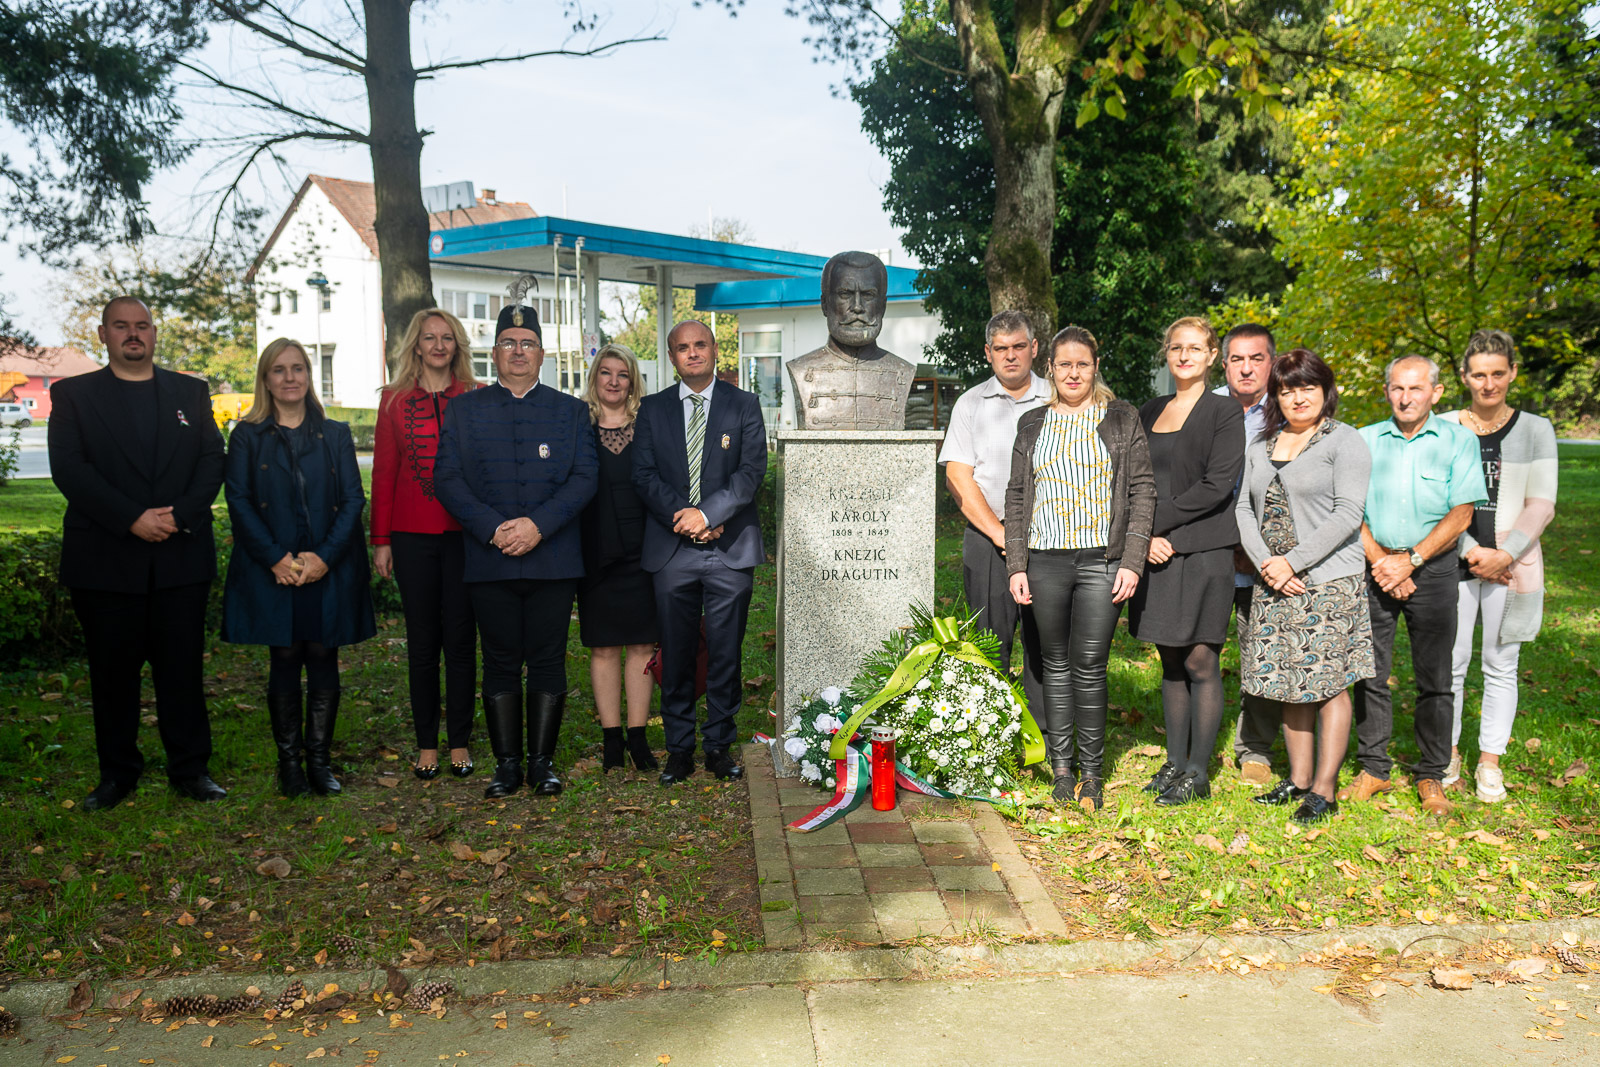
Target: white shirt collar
x,y
1038,388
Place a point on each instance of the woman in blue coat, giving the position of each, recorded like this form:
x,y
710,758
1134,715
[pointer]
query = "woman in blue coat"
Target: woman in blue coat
x,y
297,579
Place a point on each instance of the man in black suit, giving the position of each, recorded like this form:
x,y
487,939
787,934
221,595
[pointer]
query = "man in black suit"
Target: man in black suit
x,y
700,452
134,450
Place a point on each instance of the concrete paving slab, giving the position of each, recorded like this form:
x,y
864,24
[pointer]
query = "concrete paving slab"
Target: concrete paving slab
x,y
867,813
939,833
888,855
828,881
953,855
901,906
969,878
979,905
879,833
821,856
836,909
897,879
1183,1019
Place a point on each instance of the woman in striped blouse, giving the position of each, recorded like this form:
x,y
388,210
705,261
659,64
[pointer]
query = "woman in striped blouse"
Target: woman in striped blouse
x,y
1078,512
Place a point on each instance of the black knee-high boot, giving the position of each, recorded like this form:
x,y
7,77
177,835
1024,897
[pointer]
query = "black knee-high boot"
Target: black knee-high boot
x,y
322,711
503,714
544,727
283,708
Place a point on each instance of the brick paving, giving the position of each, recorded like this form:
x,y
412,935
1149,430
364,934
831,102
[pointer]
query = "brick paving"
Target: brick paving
x,y
926,869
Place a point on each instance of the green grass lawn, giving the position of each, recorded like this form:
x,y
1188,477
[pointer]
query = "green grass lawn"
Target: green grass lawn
x,y
430,871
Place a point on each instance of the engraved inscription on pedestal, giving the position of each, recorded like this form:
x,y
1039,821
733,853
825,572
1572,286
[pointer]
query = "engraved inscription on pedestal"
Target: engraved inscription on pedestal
x,y
855,551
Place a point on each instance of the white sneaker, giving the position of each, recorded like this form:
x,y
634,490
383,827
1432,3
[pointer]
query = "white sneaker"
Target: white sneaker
x,y
1452,773
1491,783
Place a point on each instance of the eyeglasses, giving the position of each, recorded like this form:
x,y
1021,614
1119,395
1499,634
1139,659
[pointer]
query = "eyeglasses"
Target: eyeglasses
x,y
511,346
1187,350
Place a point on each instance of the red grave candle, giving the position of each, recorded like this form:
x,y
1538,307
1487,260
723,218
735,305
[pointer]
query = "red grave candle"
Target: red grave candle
x,y
882,768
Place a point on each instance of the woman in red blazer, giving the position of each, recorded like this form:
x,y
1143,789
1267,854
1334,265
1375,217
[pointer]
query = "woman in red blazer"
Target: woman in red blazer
x,y
416,542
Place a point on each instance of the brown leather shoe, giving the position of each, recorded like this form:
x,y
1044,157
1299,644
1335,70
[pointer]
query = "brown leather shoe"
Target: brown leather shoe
x,y
1432,795
1255,772
1364,787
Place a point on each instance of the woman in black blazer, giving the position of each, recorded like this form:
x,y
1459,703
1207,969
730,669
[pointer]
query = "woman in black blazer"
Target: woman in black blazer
x,y
1182,607
297,579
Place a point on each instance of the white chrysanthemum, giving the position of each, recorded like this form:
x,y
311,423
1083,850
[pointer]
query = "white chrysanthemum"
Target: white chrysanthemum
x,y
923,683
997,779
831,782
825,723
810,771
994,792
936,725
831,695
964,742
913,704
941,759
983,727
795,747
948,677
943,709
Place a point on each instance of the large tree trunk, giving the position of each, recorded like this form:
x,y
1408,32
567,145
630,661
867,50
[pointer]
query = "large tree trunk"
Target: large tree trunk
x,y
1019,105
396,144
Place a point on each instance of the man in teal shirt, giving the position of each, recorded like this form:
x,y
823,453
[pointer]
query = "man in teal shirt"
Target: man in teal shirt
x,y
1426,477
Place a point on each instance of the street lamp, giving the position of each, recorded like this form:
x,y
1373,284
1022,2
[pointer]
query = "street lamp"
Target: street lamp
x,y
319,284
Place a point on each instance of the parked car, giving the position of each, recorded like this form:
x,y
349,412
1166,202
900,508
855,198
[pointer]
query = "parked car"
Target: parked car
x,y
228,408
15,415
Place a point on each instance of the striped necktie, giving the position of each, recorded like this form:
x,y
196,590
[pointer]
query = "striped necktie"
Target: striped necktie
x,y
697,445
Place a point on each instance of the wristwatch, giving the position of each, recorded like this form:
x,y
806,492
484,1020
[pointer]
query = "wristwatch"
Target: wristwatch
x,y
1416,558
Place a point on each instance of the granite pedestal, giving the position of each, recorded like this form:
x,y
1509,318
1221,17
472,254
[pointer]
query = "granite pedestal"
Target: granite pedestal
x,y
855,551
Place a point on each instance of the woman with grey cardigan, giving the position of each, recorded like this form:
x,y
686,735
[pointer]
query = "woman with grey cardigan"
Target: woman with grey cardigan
x,y
1309,636
1502,568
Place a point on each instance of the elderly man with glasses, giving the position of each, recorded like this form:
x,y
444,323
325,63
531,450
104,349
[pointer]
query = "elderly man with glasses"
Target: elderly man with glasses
x,y
516,465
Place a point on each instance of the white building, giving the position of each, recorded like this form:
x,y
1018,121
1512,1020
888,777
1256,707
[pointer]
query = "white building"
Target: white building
x,y
327,233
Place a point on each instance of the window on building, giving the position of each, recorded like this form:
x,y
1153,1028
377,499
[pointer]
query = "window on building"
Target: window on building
x,y
480,305
326,360
761,368
293,296
277,303
495,304
327,297
482,365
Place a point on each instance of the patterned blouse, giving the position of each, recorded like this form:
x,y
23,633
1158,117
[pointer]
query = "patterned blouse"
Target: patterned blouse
x,y
1072,482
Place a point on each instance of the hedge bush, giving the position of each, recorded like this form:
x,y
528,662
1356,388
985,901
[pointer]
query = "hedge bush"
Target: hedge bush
x,y
37,625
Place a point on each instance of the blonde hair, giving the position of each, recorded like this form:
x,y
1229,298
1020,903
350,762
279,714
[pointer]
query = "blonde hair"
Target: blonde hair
x,y
591,388
1193,322
409,372
1099,393
264,407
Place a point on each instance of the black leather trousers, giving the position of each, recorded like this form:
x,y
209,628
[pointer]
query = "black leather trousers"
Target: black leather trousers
x,y
1072,609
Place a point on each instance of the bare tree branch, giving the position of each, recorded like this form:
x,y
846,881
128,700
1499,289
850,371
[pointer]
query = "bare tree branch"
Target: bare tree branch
x,y
906,46
331,42
238,15
345,133
487,60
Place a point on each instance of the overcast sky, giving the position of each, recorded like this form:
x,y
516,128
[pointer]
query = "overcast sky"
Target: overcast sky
x,y
728,116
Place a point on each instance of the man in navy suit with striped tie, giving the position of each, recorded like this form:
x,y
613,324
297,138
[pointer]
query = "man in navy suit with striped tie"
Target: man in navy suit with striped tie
x,y
700,452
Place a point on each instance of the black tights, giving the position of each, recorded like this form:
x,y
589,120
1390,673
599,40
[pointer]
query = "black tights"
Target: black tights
x,y
1191,696
321,665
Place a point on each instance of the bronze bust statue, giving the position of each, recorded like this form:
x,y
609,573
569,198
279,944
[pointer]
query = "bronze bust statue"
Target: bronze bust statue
x,y
850,383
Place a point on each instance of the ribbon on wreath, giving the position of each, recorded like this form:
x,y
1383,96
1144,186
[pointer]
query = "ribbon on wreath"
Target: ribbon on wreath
x,y
945,642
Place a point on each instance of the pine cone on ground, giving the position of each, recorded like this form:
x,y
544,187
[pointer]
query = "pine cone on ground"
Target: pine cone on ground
x,y
186,1004
235,1005
425,993
286,999
8,1023
345,943
1571,960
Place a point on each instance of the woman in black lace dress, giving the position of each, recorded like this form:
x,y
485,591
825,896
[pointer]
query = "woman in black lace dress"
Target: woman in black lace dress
x,y
616,599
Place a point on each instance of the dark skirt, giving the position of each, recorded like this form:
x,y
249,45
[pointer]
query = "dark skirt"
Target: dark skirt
x,y
1184,601
618,607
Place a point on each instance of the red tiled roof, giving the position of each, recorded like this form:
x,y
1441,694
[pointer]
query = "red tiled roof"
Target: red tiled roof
x,y
45,362
358,204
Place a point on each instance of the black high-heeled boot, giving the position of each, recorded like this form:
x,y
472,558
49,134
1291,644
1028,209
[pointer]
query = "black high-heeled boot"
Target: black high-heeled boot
x,y
503,714
1064,788
611,748
1091,754
639,750
544,727
283,708
322,711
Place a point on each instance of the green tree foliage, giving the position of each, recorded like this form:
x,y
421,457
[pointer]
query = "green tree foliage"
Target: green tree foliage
x,y
88,87
204,313
1443,191
635,322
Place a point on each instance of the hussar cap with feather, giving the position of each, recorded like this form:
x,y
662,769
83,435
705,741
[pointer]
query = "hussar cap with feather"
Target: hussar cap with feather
x,y
516,314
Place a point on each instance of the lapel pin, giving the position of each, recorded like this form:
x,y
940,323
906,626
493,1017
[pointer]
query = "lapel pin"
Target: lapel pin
x,y
185,420
544,451
726,441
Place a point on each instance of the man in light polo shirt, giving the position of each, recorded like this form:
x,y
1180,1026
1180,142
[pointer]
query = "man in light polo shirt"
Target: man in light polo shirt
x,y
1247,354
1426,477
977,464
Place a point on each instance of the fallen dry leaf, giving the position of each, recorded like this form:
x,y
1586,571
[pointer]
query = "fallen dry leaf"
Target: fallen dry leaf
x,y
1240,842
1099,852
187,920
275,867
1484,837
122,1001
1207,841
208,1039
1149,750
1576,768
1348,869
82,997
1526,967
1373,854
1452,978
1377,989
461,851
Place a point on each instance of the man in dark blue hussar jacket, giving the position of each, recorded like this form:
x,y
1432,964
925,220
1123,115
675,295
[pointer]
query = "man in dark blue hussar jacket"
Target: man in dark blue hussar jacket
x,y
516,465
